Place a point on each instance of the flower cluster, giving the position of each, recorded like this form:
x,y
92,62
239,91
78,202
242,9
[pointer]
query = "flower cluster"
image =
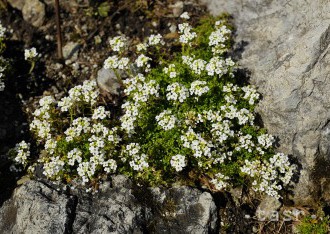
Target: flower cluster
x,y
220,181
218,38
178,162
198,88
118,43
166,120
86,93
22,152
137,161
170,70
114,62
250,94
155,40
75,135
177,92
186,34
30,54
2,31
199,146
270,176
188,114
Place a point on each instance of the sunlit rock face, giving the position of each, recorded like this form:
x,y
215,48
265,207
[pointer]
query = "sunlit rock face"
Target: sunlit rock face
x,y
285,47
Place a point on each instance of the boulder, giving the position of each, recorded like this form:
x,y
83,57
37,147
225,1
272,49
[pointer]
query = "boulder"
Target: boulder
x,y
35,208
118,207
285,46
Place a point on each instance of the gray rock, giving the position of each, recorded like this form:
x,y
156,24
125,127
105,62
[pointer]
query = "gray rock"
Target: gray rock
x,y
34,12
268,208
115,210
108,81
122,208
286,49
35,208
181,210
71,50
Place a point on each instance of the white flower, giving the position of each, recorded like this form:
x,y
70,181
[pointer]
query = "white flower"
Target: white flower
x,y
109,166
141,47
113,62
53,168
155,40
74,156
185,15
217,66
178,162
22,152
266,140
142,61
166,120
170,70
198,66
250,94
50,145
186,35
219,181
30,54
100,113
198,88
177,92
118,43
2,31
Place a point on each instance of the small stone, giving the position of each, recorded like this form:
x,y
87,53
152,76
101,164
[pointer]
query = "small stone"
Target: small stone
x,y
268,206
34,12
70,51
108,81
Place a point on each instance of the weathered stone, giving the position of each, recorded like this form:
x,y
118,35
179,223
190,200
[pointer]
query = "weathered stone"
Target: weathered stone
x,y
71,50
285,46
268,207
122,208
36,208
34,12
108,81
114,210
182,210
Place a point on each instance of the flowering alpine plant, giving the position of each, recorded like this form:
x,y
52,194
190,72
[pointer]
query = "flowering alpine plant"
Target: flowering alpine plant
x,y
183,116
3,62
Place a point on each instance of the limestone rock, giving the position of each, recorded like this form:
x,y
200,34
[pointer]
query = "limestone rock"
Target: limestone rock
x,y
268,208
36,208
70,50
182,210
121,208
285,46
34,12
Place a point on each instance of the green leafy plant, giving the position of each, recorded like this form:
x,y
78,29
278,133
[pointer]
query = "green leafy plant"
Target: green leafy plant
x,y
184,116
314,225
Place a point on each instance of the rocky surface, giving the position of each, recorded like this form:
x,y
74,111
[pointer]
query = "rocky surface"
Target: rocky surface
x,y
285,46
120,207
36,208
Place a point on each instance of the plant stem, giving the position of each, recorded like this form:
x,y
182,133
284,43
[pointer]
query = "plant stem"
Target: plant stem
x,y
58,27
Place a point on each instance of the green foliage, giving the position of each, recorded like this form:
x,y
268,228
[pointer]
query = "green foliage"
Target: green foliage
x,y
314,225
184,117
